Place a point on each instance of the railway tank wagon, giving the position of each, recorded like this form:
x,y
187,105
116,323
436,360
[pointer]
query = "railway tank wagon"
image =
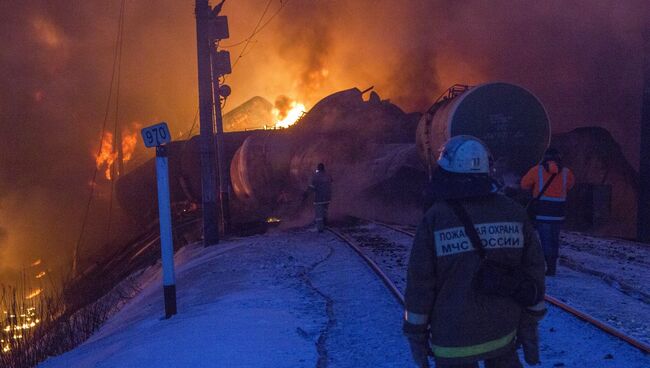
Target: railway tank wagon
x,y
508,118
353,137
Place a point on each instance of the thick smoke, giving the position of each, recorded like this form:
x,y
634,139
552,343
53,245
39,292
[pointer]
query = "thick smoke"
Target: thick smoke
x,y
583,59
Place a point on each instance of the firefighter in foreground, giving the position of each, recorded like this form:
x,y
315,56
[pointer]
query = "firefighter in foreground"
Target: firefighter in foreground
x,y
475,282
549,182
321,185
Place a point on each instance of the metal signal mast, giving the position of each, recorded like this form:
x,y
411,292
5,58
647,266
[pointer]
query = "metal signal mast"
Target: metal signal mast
x,y
212,65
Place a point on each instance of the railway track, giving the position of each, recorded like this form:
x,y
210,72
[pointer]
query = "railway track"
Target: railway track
x,y
392,284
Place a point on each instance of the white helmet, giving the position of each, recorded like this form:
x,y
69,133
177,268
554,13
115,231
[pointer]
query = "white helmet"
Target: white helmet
x,y
465,154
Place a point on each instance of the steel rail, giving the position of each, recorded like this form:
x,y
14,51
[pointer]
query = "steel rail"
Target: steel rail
x,y
384,278
559,304
603,326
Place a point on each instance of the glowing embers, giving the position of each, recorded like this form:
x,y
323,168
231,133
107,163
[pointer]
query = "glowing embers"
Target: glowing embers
x,y
34,294
287,112
16,327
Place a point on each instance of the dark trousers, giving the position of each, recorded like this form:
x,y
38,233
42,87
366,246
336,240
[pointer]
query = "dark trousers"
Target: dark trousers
x,y
549,235
509,360
320,210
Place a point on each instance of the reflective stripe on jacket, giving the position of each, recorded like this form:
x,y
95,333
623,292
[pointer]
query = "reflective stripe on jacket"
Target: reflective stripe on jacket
x,y
467,326
552,205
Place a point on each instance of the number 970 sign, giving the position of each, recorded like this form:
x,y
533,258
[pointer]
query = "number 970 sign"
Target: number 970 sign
x,y
156,135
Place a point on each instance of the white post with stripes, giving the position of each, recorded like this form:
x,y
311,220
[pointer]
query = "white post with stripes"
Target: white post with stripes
x,y
166,240
157,136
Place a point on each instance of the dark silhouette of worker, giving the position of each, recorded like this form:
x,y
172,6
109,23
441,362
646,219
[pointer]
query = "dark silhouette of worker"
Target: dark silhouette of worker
x,y
549,207
321,185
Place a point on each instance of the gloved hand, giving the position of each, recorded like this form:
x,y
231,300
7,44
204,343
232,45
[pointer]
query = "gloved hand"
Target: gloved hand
x,y
420,352
528,335
418,337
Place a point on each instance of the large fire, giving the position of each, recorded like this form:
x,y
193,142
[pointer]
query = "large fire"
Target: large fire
x,y
287,112
108,154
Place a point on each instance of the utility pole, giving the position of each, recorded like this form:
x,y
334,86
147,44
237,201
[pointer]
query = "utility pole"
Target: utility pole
x,y
643,211
208,183
212,64
220,67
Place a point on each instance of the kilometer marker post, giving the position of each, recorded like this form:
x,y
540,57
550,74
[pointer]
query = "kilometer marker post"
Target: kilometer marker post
x,y
157,136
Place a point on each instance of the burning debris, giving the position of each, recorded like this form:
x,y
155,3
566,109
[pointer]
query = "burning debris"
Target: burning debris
x,y
109,155
287,112
258,113
34,294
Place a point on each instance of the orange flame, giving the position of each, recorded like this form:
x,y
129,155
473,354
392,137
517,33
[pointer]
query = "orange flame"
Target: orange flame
x,y
36,262
108,154
287,112
128,146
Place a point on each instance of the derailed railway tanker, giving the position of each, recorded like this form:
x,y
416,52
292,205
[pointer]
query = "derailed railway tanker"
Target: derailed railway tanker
x,y
375,152
508,118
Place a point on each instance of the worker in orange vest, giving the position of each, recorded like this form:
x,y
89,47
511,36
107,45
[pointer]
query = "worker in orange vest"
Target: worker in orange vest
x,y
549,208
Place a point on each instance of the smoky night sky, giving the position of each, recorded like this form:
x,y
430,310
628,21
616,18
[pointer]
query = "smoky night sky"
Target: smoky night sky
x,y
583,59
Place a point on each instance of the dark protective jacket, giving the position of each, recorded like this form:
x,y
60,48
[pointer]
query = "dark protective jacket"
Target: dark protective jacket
x,y
321,184
466,326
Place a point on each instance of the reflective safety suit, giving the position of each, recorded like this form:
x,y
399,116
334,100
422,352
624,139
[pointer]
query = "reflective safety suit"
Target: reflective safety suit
x,y
552,205
321,185
550,209
466,326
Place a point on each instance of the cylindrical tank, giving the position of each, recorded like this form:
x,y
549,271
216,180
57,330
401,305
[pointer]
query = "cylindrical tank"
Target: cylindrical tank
x,y
508,118
136,190
259,170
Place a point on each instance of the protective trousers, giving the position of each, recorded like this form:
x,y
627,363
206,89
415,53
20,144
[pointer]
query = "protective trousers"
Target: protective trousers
x,y
320,210
509,360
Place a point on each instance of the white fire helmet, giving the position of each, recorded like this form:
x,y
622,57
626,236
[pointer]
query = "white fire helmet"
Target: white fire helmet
x,y
465,154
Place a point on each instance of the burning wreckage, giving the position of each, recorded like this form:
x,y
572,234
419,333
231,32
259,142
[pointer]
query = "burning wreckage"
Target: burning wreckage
x,y
380,158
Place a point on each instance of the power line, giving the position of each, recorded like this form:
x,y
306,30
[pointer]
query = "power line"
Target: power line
x,y
266,9
99,151
282,4
117,141
258,28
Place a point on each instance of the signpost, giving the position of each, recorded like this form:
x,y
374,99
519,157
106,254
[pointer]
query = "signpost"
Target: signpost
x,y
157,136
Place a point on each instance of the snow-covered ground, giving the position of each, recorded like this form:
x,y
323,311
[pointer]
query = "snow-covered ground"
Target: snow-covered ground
x,y
303,299
608,279
291,299
566,340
